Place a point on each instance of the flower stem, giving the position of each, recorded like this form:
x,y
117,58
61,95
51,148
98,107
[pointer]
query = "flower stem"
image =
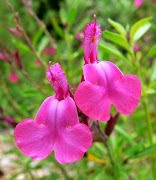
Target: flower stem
x,y
29,43
149,127
105,141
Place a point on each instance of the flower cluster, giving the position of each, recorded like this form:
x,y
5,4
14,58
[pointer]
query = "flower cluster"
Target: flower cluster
x,y
56,125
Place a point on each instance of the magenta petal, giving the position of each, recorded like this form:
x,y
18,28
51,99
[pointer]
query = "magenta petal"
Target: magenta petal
x,y
66,114
93,101
112,72
72,139
138,3
72,143
92,34
125,94
35,140
94,74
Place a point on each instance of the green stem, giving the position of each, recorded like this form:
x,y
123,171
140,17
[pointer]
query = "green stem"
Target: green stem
x,y
105,140
150,134
145,104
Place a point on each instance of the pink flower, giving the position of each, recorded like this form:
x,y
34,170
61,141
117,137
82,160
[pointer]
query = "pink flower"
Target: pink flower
x,y
4,56
92,34
17,58
48,51
79,36
56,126
136,47
13,77
37,62
15,32
138,3
104,84
11,120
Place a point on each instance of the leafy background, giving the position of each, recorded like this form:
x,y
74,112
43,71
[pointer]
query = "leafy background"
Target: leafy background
x,y
129,141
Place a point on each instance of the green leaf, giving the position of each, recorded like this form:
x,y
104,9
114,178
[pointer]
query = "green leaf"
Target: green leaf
x,y
110,49
54,176
43,43
139,29
71,16
150,91
153,72
82,24
151,53
23,47
124,134
118,27
57,28
5,138
63,16
116,38
144,152
37,36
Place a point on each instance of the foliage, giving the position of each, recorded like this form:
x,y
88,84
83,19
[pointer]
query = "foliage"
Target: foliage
x,y
123,25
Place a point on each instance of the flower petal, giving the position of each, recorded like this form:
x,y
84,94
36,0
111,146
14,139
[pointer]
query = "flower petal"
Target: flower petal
x,y
72,139
138,3
125,94
92,34
72,143
33,139
94,74
112,72
93,101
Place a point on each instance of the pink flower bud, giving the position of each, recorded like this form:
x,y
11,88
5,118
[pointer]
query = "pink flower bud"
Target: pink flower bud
x,y
136,47
48,51
92,34
13,77
17,58
4,56
80,36
57,78
138,3
15,32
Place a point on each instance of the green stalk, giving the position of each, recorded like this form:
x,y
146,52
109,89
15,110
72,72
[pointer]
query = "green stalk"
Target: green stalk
x,y
145,104
150,134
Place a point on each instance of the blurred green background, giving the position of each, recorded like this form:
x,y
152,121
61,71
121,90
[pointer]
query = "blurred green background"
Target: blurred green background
x,y
21,99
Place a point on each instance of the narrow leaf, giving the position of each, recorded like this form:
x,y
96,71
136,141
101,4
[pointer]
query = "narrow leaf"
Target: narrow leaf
x,y
144,152
43,43
71,16
57,28
110,49
140,32
117,26
82,24
116,38
37,36
124,134
151,53
139,25
63,16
